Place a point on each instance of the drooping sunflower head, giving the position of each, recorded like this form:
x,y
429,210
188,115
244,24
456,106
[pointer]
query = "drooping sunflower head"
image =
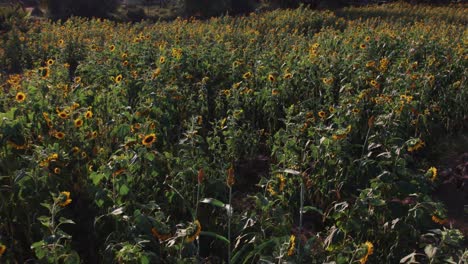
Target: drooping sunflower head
x,y
20,97
148,140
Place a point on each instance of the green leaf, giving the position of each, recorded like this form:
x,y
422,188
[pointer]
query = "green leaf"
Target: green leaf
x,y
311,208
214,235
124,190
213,201
96,177
64,220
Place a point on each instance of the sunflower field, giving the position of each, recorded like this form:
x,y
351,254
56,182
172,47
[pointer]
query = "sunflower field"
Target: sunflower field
x,y
291,136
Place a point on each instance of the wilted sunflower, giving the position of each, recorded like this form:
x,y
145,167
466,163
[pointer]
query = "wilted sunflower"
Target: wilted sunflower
x,y
148,140
20,97
65,199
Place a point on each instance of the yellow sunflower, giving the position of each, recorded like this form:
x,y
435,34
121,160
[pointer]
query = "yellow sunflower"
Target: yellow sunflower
x,y
191,237
65,199
78,122
59,135
148,140
88,114
292,245
118,78
322,114
20,97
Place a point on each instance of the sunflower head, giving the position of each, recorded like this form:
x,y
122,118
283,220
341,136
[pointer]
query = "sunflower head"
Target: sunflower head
x,y
20,97
50,62
193,232
271,78
118,78
322,114
432,173
59,135
148,140
64,199
88,114
78,122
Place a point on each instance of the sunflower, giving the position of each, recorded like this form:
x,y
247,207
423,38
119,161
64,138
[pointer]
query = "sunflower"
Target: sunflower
x,y
65,199
292,245
50,62
271,78
369,251
148,140
77,79
331,109
125,63
59,135
195,233
287,76
2,250
78,122
374,84
367,39
75,150
362,46
20,97
275,92
156,73
63,115
124,55
118,78
88,114
44,72
112,47
61,42
322,114
356,111
57,170
432,172
162,59
247,75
